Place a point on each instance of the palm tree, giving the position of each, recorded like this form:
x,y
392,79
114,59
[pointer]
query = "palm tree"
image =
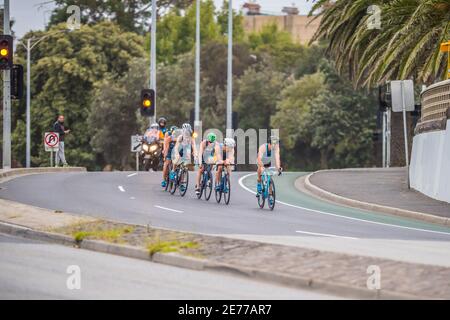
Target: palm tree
x,y
406,46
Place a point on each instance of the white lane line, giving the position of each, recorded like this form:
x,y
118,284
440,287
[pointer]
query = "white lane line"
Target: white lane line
x,y
168,209
121,188
340,216
132,175
326,235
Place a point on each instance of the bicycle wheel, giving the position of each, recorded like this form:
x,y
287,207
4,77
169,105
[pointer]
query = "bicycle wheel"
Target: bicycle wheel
x,y
218,193
261,198
183,181
208,186
227,194
271,195
173,183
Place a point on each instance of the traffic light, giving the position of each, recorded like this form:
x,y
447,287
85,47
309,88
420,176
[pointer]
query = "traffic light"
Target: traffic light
x,y
148,102
17,82
6,52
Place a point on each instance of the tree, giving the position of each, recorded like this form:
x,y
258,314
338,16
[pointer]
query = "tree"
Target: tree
x,y
259,92
406,45
323,112
130,15
66,67
113,116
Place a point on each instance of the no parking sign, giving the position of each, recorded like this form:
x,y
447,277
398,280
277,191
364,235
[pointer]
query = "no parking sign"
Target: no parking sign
x,y
51,141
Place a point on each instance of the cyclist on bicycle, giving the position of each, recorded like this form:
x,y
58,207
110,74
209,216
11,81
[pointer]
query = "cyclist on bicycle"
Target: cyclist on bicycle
x,y
184,146
207,151
265,158
169,144
226,158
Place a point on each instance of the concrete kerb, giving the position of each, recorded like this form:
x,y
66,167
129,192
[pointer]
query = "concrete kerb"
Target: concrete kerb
x,y
13,173
177,260
326,195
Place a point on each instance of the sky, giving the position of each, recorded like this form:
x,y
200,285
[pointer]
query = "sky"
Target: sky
x,y
31,15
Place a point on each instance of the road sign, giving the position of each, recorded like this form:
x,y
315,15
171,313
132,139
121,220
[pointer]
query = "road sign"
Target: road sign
x,y
402,92
136,143
51,141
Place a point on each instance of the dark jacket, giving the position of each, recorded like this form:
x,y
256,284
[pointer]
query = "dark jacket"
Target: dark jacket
x,y
59,128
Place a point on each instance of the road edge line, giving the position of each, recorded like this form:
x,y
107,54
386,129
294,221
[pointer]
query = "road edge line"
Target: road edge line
x,y
329,196
177,260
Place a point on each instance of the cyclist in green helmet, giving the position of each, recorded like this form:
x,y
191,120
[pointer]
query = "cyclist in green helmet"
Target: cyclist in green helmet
x,y
208,150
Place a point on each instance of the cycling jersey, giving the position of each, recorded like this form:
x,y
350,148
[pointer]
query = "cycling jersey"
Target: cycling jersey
x,y
211,147
266,157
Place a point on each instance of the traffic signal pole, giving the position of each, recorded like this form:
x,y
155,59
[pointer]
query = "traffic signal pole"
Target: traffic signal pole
x,y
28,133
153,57
6,97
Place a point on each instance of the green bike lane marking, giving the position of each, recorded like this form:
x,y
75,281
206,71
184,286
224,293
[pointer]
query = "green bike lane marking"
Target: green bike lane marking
x,y
290,195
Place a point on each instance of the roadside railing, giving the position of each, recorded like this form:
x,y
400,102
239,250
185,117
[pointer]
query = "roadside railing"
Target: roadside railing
x,y
435,107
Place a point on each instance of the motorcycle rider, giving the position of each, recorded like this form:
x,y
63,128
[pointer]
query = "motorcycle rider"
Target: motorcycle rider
x,y
208,149
226,157
169,144
152,133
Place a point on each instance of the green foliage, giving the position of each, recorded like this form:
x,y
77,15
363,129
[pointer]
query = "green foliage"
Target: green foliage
x,y
406,46
113,117
66,67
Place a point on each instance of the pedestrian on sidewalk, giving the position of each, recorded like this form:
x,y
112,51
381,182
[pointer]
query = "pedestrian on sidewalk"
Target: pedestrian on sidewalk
x,y
58,127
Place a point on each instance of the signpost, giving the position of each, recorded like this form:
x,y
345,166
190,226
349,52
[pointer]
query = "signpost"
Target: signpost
x,y
136,147
51,144
402,92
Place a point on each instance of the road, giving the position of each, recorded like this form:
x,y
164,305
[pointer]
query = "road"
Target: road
x,y
297,220
36,270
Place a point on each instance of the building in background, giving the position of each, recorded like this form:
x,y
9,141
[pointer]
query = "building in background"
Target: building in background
x,y
301,27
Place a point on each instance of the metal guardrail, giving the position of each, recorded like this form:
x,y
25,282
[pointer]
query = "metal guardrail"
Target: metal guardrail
x,y
435,107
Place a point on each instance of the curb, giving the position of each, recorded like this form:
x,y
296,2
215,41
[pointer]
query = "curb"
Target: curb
x,y
321,193
177,260
25,171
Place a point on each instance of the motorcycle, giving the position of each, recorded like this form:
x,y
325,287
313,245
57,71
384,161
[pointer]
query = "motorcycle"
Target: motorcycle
x,y
150,155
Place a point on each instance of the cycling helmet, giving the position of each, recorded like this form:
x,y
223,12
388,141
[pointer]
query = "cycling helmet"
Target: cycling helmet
x,y
187,126
274,140
229,142
173,128
154,126
211,137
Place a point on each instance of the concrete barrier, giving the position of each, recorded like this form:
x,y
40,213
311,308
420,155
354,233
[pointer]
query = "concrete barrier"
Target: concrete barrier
x,y
430,164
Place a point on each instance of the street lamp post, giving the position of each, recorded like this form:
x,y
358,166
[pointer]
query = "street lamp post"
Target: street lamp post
x,y
29,46
230,71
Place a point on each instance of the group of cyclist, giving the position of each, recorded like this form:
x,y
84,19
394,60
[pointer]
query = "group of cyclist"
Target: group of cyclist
x,y
179,146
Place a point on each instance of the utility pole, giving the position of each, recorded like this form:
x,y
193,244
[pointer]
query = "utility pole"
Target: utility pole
x,y
28,146
230,71
153,56
197,67
6,97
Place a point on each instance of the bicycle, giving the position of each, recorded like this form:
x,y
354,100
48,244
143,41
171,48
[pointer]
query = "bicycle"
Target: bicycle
x,y
179,178
225,186
268,188
206,183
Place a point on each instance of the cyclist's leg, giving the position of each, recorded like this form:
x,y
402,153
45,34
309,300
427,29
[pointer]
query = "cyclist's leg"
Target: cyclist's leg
x,y
218,176
199,176
259,173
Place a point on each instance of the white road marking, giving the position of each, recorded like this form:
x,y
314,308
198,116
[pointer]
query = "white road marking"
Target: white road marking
x,y
132,175
168,209
325,235
340,216
121,188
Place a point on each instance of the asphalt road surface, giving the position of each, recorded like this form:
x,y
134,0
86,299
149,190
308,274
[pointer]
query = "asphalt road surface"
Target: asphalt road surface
x,y
36,270
297,219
